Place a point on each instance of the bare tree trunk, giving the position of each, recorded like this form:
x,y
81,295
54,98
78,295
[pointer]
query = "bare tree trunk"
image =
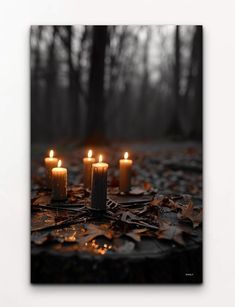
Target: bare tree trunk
x,y
144,91
175,128
35,76
50,88
197,131
193,93
73,87
96,102
75,91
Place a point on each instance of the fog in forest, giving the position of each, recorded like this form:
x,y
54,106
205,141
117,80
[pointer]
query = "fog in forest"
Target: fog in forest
x,y
101,84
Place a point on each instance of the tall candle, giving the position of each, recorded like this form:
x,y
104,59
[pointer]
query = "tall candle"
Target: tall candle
x,y
125,167
50,163
59,182
99,185
87,168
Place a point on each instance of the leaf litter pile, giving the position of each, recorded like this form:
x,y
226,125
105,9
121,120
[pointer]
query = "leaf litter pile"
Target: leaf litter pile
x,y
164,204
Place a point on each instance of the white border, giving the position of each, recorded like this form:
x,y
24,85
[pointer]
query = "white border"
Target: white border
x,y
219,149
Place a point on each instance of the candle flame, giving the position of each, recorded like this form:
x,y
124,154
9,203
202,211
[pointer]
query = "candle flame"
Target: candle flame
x,y
51,153
89,153
59,163
100,158
126,155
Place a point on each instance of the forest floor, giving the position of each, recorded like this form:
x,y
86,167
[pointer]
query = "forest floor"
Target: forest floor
x,y
161,216
170,167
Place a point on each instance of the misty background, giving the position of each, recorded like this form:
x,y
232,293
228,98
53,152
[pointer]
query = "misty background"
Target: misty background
x,y
101,84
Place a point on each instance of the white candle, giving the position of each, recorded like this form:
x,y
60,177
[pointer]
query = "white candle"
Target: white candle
x,y
59,182
87,168
125,167
99,185
50,163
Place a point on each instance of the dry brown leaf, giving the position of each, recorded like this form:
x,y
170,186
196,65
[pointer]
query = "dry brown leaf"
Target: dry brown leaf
x,y
93,231
188,212
40,238
172,232
165,202
156,202
137,191
135,234
42,200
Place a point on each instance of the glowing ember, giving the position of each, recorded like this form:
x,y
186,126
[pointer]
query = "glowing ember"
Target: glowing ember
x,y
98,249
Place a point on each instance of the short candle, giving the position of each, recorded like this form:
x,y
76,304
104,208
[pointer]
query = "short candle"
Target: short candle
x,y
50,163
125,168
59,182
87,168
99,185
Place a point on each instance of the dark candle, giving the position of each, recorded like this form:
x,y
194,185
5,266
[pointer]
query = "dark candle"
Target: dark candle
x,y
99,185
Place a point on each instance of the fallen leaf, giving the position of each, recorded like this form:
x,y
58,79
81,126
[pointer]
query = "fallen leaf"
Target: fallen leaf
x,y
188,212
165,202
197,219
135,234
42,200
40,238
156,202
69,234
172,232
137,191
93,231
193,189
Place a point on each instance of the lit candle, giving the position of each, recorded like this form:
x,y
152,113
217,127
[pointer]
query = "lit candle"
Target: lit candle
x,y
125,166
50,163
99,185
87,168
59,182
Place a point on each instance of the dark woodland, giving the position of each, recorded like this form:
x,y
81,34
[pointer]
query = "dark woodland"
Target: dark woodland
x,y
114,89
100,84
